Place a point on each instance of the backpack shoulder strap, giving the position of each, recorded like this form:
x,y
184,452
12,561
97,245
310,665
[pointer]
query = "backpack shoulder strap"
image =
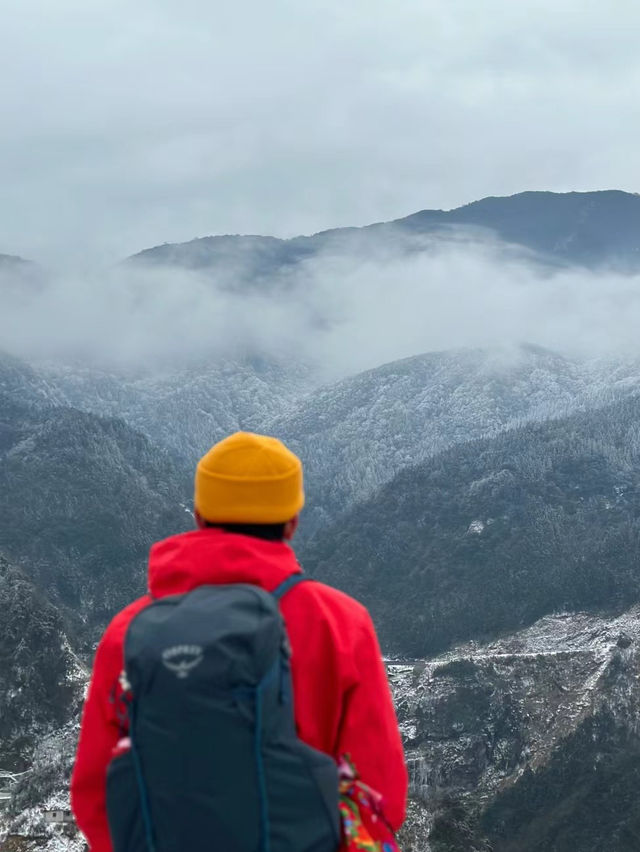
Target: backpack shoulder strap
x,y
280,591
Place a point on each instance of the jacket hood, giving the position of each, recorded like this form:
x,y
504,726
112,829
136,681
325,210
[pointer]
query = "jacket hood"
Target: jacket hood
x,y
214,557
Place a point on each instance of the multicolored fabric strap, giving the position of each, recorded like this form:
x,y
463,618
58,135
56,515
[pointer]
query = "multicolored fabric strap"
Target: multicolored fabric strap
x,y
360,805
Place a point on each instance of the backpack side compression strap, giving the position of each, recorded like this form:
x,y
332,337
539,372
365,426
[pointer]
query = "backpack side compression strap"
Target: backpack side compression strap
x,y
280,591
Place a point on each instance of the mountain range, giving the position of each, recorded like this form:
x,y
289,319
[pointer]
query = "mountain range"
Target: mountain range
x,y
591,229
483,503
353,435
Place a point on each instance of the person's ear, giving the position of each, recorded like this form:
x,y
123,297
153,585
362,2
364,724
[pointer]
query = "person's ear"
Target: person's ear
x,y
290,528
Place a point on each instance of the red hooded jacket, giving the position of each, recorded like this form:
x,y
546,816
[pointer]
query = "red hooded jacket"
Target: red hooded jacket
x,y
342,699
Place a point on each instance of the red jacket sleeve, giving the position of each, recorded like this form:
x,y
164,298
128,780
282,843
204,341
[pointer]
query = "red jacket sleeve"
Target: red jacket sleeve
x,y
99,732
369,729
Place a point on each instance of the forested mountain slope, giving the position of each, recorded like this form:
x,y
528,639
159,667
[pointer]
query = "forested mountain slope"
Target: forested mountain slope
x,y
21,385
82,498
490,535
184,410
357,434
353,435
188,409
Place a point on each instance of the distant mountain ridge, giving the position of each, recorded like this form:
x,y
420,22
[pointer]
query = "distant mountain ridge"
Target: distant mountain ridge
x,y
592,229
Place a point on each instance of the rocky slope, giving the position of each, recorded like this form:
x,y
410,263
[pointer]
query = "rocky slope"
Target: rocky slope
x,y
39,672
526,743
43,788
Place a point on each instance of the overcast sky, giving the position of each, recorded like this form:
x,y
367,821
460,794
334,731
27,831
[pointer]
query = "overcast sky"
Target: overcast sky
x,y
128,124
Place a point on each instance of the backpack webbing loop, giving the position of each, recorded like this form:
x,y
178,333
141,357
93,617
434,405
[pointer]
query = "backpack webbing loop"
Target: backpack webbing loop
x,y
280,591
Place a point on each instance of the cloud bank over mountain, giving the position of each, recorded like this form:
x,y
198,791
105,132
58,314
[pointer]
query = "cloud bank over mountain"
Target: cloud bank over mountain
x,y
343,311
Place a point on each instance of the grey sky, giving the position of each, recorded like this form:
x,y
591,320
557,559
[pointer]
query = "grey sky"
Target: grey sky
x,y
126,124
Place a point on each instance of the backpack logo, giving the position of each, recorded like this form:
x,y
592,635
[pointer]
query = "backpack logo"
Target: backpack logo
x,y
181,659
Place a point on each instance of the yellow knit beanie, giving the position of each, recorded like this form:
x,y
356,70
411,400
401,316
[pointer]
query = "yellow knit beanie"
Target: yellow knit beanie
x,y
249,479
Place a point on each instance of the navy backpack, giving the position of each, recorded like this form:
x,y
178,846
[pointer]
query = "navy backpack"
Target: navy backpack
x,y
215,763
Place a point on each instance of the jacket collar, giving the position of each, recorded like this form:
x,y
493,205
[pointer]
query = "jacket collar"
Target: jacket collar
x,y
214,557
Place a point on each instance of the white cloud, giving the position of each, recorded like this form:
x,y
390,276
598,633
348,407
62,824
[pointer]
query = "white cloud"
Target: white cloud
x,y
346,312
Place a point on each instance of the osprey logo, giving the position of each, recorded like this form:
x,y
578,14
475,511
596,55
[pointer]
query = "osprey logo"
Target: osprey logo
x,y
180,659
